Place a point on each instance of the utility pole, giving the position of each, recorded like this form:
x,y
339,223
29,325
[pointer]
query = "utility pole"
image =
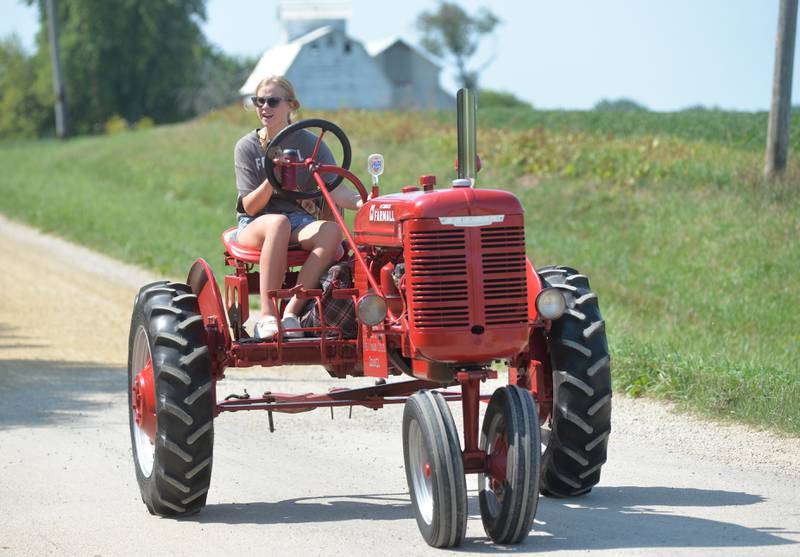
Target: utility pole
x,y
780,113
62,118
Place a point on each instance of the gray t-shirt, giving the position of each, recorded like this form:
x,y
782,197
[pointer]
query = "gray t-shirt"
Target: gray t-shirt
x,y
249,158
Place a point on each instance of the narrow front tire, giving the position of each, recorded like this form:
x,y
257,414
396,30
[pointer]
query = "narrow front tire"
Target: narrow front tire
x,y
509,492
435,469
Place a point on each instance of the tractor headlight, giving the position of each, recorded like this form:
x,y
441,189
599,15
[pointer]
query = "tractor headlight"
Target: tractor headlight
x,y
550,303
371,309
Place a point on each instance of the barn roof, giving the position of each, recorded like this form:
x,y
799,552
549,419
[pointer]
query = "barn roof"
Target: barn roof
x,y
278,59
374,48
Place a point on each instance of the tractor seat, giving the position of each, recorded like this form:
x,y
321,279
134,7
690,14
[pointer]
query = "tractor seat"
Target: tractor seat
x,y
295,257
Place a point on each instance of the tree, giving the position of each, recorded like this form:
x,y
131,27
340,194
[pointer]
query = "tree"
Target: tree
x,y
25,102
449,32
490,98
127,57
220,76
620,105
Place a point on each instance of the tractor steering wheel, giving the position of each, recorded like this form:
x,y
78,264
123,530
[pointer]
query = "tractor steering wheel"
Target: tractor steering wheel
x,y
272,160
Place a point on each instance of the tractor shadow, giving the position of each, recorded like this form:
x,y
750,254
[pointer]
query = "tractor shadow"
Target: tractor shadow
x,y
40,393
621,517
609,518
304,510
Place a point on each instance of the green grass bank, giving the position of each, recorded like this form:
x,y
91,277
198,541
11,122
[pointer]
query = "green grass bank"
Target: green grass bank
x,y
693,256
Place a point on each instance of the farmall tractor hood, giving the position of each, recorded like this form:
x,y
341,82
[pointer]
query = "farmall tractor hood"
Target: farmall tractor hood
x,y
379,220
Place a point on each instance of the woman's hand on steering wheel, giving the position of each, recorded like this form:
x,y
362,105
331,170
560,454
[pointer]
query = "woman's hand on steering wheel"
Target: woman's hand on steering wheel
x,y
272,160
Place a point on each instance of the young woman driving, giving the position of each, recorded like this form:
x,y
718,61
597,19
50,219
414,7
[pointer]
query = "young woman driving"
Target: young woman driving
x,y
270,221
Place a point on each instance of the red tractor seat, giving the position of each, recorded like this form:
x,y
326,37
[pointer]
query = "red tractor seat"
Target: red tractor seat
x,y
294,258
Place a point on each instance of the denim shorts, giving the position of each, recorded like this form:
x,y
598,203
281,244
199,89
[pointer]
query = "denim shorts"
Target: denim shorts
x,y
297,219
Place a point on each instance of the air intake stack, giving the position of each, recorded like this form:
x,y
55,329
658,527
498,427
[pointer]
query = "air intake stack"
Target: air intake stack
x,y
466,104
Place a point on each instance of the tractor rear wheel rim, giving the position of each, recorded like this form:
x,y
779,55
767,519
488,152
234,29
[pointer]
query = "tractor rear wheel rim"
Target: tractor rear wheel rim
x,y
145,448
421,476
545,432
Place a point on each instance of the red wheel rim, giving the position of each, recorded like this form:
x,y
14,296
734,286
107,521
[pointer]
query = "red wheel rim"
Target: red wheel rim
x,y
498,459
144,400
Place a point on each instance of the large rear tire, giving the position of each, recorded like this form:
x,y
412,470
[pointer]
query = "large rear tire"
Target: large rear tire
x,y
576,436
509,492
169,365
435,469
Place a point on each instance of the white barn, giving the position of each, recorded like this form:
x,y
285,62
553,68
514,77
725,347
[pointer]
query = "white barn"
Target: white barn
x,y
412,73
332,70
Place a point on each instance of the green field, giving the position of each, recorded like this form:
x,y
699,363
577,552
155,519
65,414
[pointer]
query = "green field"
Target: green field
x,y
694,257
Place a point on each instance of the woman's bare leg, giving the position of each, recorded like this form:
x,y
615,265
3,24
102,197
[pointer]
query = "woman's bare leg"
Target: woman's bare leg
x,y
271,234
321,238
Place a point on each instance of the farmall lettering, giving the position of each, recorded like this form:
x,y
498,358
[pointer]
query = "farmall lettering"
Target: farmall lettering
x,y
381,213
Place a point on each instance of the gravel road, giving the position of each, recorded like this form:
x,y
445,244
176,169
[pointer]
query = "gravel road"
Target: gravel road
x,y
673,485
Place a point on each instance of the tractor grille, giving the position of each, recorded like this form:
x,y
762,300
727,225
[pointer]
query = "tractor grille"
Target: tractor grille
x,y
504,277
438,273
461,277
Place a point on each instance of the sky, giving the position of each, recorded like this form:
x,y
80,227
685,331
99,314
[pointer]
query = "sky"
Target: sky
x,y
664,54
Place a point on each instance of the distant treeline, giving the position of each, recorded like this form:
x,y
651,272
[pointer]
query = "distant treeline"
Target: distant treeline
x,y
124,62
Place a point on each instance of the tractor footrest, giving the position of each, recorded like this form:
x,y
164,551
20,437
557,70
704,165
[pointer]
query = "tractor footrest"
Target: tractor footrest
x,y
311,335
303,351
284,341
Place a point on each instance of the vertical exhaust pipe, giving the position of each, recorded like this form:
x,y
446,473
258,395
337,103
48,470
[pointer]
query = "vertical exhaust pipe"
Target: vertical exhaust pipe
x,y
467,135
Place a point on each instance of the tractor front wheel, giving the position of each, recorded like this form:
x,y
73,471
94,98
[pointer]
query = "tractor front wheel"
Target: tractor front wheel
x,y
170,400
435,469
509,491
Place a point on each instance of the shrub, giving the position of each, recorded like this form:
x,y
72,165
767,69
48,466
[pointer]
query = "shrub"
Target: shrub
x,y
488,97
144,124
116,124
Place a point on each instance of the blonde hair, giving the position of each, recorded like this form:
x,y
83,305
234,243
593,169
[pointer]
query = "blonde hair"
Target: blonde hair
x,y
287,86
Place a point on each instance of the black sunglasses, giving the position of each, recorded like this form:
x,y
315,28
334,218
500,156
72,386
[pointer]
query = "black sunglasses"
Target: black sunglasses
x,y
271,102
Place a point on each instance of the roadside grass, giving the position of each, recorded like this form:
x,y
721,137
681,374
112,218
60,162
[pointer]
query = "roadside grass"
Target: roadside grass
x,y
698,289
693,256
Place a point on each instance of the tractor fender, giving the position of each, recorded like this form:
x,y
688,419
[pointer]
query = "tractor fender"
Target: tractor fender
x,y
534,287
203,284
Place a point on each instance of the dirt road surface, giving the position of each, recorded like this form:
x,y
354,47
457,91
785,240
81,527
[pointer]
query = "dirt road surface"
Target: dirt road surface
x,y
672,485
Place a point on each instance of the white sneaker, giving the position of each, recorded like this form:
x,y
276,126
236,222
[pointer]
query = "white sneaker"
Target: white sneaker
x,y
291,322
266,328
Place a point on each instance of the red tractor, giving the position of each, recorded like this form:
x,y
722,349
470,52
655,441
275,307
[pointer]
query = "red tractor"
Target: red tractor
x,y
442,289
